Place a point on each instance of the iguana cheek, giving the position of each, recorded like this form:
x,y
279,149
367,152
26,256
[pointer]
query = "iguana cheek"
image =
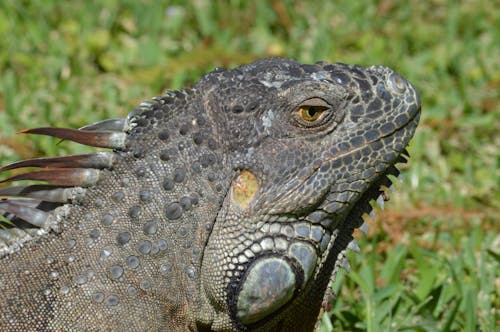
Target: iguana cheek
x,y
269,284
272,281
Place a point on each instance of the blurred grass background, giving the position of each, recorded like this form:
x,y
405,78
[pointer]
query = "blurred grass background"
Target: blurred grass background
x,y
431,262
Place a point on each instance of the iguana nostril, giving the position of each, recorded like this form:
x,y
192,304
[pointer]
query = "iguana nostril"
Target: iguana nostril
x,y
244,188
397,84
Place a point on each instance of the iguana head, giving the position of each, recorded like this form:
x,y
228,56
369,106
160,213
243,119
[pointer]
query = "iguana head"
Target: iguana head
x,y
310,146
227,206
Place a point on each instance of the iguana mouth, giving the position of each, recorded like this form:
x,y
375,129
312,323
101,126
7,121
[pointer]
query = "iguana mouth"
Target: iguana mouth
x,y
377,193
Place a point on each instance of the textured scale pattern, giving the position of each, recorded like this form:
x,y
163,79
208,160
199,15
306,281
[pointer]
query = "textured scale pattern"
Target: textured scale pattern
x,y
225,207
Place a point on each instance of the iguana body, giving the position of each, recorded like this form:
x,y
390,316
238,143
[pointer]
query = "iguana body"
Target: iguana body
x,y
223,207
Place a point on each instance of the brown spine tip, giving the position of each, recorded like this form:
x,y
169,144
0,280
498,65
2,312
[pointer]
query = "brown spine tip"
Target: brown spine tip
x,y
102,139
82,177
98,160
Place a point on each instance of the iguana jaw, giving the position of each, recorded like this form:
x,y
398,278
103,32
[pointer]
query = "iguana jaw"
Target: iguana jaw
x,y
298,222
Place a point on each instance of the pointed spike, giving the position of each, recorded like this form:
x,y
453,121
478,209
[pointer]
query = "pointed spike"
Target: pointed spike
x,y
29,202
393,170
384,187
28,214
328,298
380,202
5,236
364,228
146,105
353,245
117,124
170,93
346,265
8,217
372,214
133,114
385,195
44,192
158,99
385,183
18,232
405,153
83,177
102,139
16,239
99,160
401,159
22,190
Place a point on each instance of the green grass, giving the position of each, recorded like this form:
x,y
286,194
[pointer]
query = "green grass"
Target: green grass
x,y
431,261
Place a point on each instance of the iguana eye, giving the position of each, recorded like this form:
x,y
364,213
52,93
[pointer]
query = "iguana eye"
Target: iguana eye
x,y
312,112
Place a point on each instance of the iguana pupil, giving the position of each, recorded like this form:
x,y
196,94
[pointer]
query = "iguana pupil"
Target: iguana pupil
x,y
311,113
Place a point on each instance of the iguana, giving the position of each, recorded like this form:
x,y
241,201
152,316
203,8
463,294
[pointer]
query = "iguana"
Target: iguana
x,y
227,206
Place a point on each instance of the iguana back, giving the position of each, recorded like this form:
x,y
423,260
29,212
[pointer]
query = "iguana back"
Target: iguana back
x,y
226,206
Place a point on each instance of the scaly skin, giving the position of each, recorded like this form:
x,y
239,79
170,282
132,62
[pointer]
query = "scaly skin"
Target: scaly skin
x,y
225,207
